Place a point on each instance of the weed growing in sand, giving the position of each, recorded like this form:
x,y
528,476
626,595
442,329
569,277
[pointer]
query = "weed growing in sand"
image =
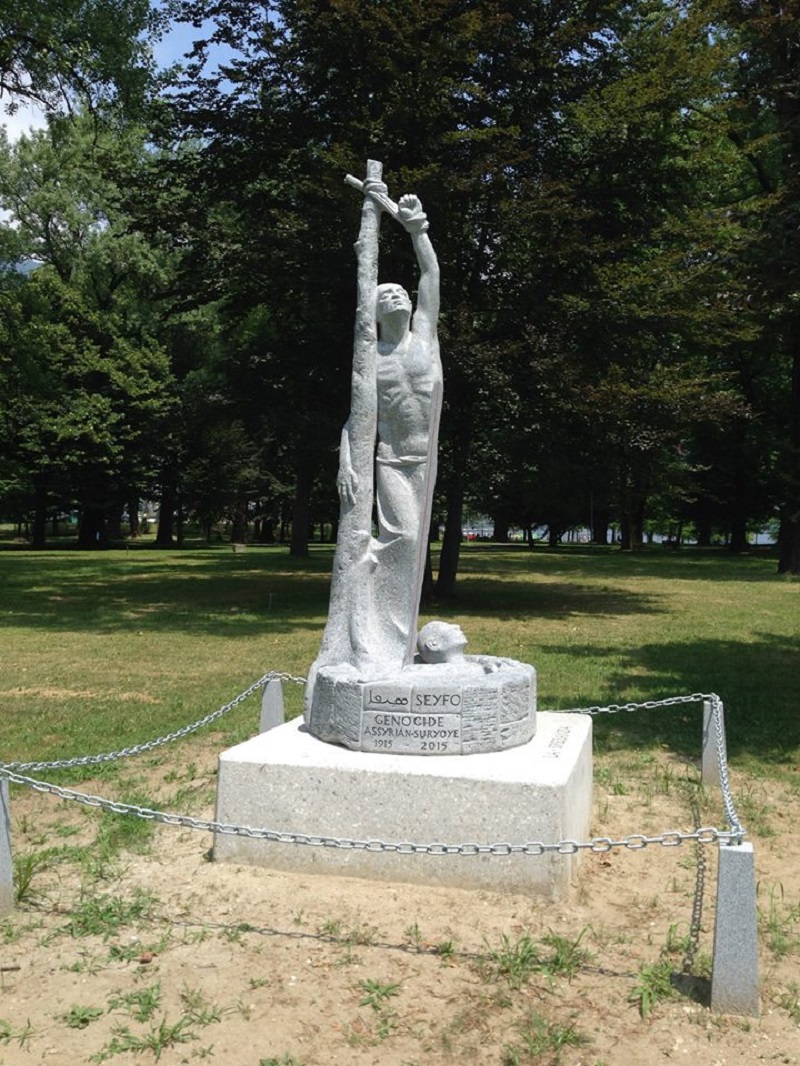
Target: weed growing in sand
x,y
198,1008
140,1004
329,928
376,994
78,1017
104,915
654,984
566,956
413,935
446,950
362,935
235,933
125,832
284,1060
518,961
539,1037
160,1037
136,951
790,1001
26,867
21,1036
779,923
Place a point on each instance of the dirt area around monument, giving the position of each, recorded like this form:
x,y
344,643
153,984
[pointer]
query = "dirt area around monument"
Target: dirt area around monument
x,y
162,955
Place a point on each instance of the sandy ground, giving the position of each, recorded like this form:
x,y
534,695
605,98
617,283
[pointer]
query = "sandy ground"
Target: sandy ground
x,y
249,967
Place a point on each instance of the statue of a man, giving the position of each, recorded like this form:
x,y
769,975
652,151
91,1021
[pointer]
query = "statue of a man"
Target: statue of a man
x,y
387,455
408,382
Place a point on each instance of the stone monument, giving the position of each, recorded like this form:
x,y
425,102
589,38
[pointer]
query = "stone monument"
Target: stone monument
x,y
374,687
381,697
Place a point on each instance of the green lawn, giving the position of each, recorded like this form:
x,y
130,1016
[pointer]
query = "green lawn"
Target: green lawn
x,y
103,649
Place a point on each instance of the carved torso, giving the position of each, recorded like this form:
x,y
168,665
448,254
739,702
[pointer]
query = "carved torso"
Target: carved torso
x,y
406,374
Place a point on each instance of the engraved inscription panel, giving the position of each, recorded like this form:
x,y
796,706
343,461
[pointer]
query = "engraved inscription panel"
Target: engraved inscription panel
x,y
557,743
422,720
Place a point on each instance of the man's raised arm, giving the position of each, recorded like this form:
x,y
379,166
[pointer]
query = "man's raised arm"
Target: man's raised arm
x,y
414,219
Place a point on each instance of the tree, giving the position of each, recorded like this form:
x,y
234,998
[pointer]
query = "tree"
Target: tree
x,y
92,386
764,125
57,51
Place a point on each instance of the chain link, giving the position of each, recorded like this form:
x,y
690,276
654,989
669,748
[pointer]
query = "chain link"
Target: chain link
x,y
649,705
718,716
696,923
598,845
601,845
149,745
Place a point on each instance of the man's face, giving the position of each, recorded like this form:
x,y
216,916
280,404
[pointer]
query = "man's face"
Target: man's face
x,y
452,637
392,298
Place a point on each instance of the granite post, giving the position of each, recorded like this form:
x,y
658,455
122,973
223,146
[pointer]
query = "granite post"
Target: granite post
x,y
712,726
272,712
6,865
734,979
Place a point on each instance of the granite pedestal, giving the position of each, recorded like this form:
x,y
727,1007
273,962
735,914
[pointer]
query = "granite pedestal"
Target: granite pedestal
x,y
288,780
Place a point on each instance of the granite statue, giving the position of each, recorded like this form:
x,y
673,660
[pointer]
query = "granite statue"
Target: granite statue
x,y
376,685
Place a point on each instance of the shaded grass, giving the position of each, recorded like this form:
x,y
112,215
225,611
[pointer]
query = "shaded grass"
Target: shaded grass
x,y
105,649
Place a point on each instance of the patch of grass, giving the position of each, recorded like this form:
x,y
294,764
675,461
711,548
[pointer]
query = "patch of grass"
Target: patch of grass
x,y
104,915
26,866
331,928
362,935
578,613
518,961
566,955
285,1060
789,1000
125,832
141,1004
157,1039
514,961
539,1037
21,1035
655,983
199,1009
780,923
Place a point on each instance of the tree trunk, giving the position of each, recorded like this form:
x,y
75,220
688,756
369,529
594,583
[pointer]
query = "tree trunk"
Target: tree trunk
x,y
500,530
166,517
600,524
114,523
703,529
39,529
301,510
239,526
789,534
92,528
134,529
451,544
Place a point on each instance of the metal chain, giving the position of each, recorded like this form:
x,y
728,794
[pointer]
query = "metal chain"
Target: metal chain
x,y
149,745
717,711
696,923
649,705
599,845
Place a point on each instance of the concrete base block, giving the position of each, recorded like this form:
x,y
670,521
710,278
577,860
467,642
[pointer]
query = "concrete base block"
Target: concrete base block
x,y
288,780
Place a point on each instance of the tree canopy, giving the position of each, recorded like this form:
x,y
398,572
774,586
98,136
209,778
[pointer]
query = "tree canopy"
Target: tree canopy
x,y
613,193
